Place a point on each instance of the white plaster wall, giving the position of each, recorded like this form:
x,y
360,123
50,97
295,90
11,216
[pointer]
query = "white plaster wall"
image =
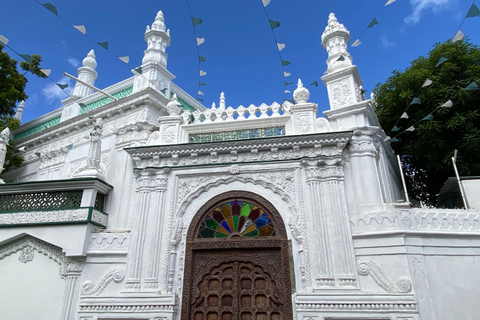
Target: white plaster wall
x,y
31,290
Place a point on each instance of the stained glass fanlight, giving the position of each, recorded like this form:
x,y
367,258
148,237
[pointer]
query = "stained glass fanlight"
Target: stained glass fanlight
x,y
236,219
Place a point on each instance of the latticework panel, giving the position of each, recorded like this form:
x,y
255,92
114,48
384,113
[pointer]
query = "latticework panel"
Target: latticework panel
x,y
40,201
99,201
237,135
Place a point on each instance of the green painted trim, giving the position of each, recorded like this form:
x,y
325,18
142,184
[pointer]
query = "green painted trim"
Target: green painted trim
x,y
103,101
247,134
53,181
36,129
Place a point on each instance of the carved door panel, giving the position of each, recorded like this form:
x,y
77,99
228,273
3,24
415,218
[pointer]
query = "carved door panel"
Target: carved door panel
x,y
238,285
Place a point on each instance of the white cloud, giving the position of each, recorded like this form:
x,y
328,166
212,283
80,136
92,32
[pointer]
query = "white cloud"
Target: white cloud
x,y
52,92
419,6
385,43
73,62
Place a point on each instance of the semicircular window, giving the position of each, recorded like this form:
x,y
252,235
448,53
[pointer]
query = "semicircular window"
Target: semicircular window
x,y
236,218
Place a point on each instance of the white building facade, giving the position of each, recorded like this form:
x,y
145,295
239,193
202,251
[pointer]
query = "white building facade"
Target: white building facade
x,y
150,206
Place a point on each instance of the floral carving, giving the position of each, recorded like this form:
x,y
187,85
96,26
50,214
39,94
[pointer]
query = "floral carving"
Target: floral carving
x,y
341,94
169,134
303,123
26,254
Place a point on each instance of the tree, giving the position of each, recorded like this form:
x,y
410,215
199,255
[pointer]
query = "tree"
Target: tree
x,y
12,91
426,151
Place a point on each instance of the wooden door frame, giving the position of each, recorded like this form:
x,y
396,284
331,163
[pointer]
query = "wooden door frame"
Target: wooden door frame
x,y
279,241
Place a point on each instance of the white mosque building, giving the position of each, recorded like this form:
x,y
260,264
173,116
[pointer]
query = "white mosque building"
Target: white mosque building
x,y
146,205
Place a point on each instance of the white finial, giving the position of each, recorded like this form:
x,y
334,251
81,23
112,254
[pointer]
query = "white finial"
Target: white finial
x,y
214,106
89,60
159,23
332,18
173,107
222,101
18,114
301,94
87,74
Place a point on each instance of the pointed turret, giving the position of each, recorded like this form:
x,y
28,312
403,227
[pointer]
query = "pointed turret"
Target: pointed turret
x,y
334,40
87,74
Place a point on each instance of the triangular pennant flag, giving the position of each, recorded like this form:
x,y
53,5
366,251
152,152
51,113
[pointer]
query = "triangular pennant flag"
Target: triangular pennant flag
x,y
356,43
103,44
138,70
81,29
125,59
374,22
280,46
314,83
395,128
70,146
266,2
404,116
292,101
46,71
440,61
427,118
82,105
62,86
285,63
387,138
200,41
459,36
196,21
412,128
164,91
274,24
427,83
287,83
341,58
38,154
3,39
199,99
202,84
27,57
415,101
286,74
200,93
389,2
202,59
50,7
473,12
472,86
202,73
287,91
394,140
447,104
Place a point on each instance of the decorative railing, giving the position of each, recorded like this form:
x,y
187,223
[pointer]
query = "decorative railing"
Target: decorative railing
x,y
104,101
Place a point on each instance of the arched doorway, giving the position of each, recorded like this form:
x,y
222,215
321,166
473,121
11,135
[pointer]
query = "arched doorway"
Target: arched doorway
x,y
237,261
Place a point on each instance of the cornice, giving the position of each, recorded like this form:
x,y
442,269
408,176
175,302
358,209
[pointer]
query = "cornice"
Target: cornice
x,y
56,185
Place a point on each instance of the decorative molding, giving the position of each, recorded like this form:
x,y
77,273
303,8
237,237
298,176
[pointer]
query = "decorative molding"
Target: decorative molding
x,y
151,179
370,306
108,242
367,267
54,216
26,254
122,308
115,273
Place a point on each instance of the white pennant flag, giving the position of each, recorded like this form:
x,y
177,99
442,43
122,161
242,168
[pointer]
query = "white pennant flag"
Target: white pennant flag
x,y
200,41
200,93
387,138
389,2
286,74
81,29
280,46
124,59
46,71
404,116
287,91
3,39
427,83
458,36
266,2
202,73
412,128
356,43
447,104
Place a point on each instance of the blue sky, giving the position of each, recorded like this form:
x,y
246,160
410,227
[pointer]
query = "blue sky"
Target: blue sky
x,y
242,57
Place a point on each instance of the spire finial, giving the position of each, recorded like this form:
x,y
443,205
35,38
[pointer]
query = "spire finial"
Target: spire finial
x,y
301,94
222,101
159,23
90,61
332,18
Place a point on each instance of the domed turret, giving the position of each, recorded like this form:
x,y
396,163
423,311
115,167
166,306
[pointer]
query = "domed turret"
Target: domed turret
x,y
87,74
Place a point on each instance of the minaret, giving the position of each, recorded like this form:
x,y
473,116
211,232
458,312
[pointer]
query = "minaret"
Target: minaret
x,y
342,79
153,71
87,74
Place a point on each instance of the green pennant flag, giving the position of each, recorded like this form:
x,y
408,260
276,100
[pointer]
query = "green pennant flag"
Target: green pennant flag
x,y
202,84
274,24
473,12
395,128
314,83
472,86
70,146
50,7
202,59
440,61
62,86
374,22
341,58
164,91
285,63
287,83
82,105
103,44
415,101
196,21
198,99
394,140
27,57
138,70
291,101
427,118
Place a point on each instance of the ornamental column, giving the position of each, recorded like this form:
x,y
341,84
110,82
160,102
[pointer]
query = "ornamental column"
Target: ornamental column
x,y
73,272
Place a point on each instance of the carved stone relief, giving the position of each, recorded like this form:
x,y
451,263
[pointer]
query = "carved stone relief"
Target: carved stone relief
x,y
114,273
368,267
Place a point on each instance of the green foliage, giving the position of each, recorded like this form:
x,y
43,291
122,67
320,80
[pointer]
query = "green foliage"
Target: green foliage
x,y
12,91
427,151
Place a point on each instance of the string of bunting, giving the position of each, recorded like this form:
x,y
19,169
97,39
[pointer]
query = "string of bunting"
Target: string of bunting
x,y
195,23
459,36
105,44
